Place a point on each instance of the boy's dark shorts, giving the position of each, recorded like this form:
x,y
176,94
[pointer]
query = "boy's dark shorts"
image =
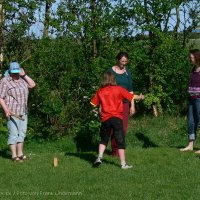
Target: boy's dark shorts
x,y
116,125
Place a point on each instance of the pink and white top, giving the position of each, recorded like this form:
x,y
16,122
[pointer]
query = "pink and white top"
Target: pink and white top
x,y
15,94
194,85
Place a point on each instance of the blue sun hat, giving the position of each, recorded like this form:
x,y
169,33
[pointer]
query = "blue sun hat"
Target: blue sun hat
x,y
14,68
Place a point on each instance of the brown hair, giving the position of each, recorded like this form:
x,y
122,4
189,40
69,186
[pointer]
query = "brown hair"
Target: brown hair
x,y
121,54
108,79
196,54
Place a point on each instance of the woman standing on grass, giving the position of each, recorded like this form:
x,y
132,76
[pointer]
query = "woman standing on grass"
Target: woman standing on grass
x,y
124,79
13,99
194,101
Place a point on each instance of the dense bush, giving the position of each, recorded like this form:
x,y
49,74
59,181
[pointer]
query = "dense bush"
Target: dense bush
x,y
67,76
65,46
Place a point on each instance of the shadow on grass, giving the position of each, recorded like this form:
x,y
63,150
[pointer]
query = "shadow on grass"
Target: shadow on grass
x,y
146,141
89,157
5,153
85,142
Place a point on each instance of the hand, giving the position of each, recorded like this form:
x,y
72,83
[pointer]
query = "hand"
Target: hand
x,y
22,72
132,110
141,96
8,113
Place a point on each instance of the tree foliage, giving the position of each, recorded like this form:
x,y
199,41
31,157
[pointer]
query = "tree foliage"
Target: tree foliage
x,y
78,40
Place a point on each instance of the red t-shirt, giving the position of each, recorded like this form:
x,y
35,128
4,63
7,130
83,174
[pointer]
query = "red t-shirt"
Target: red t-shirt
x,y
110,98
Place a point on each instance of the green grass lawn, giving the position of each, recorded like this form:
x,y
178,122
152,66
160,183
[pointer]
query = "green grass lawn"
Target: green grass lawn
x,y
160,170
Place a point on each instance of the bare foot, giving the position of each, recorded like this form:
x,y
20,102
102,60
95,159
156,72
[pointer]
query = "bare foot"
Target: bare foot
x,y
188,148
198,152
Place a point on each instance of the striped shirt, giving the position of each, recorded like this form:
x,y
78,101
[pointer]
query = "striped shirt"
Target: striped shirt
x,y
194,86
15,94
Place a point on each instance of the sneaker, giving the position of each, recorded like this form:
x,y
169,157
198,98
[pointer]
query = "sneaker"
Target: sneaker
x,y
98,161
126,166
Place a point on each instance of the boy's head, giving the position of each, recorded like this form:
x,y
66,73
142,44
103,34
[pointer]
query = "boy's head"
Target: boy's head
x,y
108,79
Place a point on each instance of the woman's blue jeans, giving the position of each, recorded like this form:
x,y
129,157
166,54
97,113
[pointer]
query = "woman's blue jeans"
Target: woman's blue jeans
x,y
193,118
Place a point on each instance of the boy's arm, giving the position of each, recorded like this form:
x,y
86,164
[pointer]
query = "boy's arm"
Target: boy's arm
x,y
136,97
93,104
131,97
139,97
95,100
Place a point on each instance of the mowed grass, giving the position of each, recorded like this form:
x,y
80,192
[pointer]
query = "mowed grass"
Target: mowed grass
x,y
160,170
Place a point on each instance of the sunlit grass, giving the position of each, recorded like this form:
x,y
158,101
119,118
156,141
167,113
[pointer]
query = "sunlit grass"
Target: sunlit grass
x,y
160,170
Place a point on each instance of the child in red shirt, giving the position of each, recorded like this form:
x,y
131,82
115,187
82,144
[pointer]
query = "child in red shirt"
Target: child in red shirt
x,y
110,98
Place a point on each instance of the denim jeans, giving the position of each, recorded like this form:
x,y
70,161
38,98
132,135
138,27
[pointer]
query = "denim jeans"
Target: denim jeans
x,y
193,118
17,129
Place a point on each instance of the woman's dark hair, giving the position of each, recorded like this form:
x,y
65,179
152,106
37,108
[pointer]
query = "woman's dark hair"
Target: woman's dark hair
x,y
121,54
196,54
108,79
